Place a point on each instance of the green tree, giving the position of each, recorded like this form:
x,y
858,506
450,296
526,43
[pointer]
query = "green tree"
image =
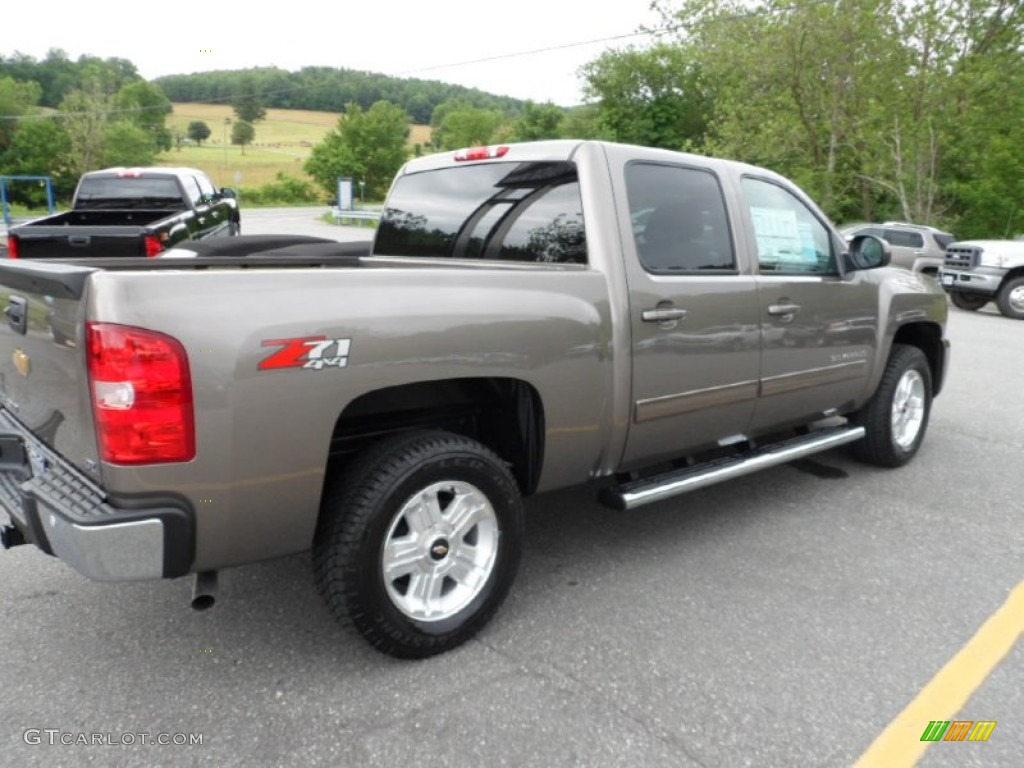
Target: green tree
x,y
86,113
983,161
537,122
198,131
242,133
819,92
16,100
368,146
583,122
456,124
146,106
879,108
655,97
324,88
247,102
40,147
125,143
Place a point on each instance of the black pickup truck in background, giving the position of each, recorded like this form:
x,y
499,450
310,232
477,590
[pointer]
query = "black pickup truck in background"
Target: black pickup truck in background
x,y
130,212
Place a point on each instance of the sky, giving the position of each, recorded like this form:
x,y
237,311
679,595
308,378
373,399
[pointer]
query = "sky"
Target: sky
x,y
407,39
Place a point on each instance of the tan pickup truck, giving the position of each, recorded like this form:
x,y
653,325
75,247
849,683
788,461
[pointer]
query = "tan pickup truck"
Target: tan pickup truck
x,y
529,317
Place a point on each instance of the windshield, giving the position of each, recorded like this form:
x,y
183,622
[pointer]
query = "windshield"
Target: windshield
x,y
528,212
944,240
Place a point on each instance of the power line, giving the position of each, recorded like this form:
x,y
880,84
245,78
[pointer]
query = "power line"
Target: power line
x,y
403,73
666,29
532,52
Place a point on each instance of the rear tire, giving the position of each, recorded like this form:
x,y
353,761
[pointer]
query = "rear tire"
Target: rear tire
x,y
896,417
1011,298
419,542
968,301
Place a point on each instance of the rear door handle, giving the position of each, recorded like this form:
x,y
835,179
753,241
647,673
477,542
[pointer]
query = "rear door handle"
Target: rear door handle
x,y
662,315
783,309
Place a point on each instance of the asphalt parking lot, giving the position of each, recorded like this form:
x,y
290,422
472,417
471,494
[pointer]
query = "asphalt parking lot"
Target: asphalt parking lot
x,y
785,619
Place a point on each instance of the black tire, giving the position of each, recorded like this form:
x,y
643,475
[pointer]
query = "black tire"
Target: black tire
x,y
373,503
234,228
1010,299
887,444
969,301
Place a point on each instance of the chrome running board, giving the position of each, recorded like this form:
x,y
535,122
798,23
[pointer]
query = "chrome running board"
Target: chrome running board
x,y
648,490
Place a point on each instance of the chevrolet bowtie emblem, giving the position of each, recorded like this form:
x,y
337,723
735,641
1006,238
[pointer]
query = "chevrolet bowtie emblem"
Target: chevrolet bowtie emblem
x,y
21,362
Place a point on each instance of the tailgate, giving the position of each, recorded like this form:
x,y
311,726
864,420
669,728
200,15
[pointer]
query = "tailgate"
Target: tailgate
x,y
42,360
73,242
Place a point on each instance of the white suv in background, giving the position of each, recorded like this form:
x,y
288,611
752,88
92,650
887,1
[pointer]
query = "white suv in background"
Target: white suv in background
x,y
914,246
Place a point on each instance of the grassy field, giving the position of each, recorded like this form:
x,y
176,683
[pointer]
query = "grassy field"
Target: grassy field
x,y
283,141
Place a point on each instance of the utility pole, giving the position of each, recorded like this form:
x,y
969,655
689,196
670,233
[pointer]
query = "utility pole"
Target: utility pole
x,y
227,122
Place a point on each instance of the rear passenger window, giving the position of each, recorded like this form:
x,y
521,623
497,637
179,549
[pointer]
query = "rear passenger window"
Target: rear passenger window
x,y
206,189
527,212
903,238
678,219
192,190
790,238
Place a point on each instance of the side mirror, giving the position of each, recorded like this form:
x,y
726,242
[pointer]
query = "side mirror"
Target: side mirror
x,y
229,193
867,252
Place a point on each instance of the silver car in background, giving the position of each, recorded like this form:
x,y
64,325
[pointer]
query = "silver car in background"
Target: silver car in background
x,y
914,246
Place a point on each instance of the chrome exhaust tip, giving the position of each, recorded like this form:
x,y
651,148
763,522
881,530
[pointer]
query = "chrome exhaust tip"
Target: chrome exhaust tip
x,y
204,590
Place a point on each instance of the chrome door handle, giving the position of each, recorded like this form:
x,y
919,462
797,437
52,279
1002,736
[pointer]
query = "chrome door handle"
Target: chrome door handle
x,y
662,315
783,309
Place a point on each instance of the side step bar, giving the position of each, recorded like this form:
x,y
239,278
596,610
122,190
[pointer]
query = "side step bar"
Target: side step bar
x,y
651,489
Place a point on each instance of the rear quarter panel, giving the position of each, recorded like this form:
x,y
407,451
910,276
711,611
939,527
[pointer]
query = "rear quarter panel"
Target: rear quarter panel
x,y
263,435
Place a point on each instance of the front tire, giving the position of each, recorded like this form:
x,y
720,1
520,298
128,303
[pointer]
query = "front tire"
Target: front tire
x,y
968,301
419,542
896,417
1011,298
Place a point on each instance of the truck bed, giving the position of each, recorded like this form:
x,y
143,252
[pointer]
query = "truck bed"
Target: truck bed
x,y
102,218
88,232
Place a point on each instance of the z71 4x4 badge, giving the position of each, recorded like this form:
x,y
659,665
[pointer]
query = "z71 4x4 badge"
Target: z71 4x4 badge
x,y
312,352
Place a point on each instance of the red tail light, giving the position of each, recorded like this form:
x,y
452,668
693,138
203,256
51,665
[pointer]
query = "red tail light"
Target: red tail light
x,y
153,246
481,153
12,247
141,395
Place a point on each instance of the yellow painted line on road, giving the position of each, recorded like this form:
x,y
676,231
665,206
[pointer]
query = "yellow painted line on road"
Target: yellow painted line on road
x,y
900,745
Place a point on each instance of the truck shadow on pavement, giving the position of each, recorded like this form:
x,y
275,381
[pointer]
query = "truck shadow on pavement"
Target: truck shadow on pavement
x,y
580,560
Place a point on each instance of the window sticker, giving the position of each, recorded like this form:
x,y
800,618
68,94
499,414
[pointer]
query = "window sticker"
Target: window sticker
x,y
778,234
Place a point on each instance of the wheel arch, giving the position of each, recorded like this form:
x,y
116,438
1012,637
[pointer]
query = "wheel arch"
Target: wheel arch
x,y
928,338
1011,274
504,414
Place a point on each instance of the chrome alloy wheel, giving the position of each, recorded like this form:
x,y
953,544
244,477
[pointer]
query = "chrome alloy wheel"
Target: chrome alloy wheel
x,y
908,405
1016,299
440,550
